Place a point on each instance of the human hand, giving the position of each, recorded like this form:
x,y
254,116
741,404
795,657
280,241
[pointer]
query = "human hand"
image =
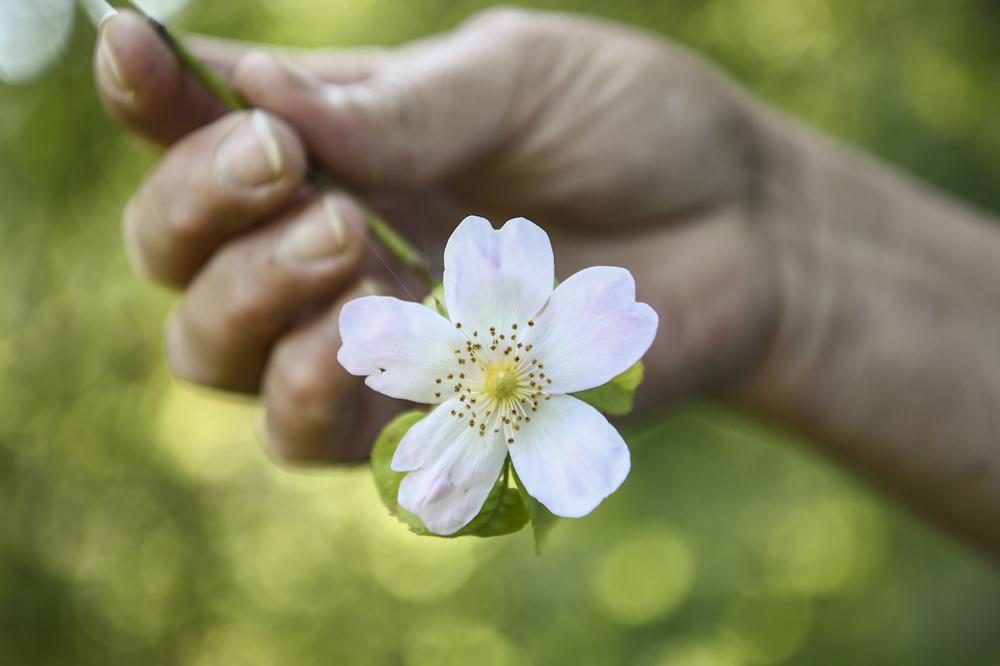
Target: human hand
x,y
627,149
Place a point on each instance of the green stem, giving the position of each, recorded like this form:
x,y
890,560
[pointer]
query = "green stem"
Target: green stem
x,y
205,75
398,246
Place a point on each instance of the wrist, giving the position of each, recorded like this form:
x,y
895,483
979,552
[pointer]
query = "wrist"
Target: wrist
x,y
830,219
887,348
861,254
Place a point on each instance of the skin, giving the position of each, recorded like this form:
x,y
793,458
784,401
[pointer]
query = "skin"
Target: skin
x,y
793,277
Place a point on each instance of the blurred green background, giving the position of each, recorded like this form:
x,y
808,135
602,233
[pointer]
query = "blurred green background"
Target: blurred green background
x,y
142,524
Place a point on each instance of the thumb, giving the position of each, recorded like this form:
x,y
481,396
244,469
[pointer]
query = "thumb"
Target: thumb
x,y
423,113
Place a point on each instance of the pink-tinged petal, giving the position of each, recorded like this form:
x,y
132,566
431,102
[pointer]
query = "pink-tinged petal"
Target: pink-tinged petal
x,y
592,329
454,469
569,457
32,35
497,277
400,347
424,441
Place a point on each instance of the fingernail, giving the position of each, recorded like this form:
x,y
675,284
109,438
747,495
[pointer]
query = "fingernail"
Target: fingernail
x,y
250,155
320,236
109,62
111,12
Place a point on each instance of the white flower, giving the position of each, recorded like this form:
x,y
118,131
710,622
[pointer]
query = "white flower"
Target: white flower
x,y
499,373
34,32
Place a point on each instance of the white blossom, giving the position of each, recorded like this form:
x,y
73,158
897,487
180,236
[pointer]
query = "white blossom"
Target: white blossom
x,y
499,374
33,33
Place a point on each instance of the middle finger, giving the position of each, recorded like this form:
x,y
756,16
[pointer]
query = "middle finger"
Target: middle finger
x,y
246,297
213,184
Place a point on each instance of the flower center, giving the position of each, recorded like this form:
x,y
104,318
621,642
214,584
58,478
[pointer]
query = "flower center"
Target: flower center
x,y
500,380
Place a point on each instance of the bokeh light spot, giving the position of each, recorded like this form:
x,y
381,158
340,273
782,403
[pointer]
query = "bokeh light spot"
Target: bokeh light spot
x,y
709,651
232,645
416,568
768,629
210,438
455,641
644,577
822,546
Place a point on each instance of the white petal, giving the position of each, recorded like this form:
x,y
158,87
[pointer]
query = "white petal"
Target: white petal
x,y
400,346
497,277
454,469
592,329
569,457
424,441
32,35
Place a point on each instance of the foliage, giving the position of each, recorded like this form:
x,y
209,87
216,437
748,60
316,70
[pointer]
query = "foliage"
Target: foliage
x,y
541,519
617,397
435,300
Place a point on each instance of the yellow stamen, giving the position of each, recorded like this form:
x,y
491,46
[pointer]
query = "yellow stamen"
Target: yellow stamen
x,y
500,381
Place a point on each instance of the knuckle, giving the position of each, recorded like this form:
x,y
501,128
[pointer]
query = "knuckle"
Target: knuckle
x,y
162,239
182,222
296,447
404,112
519,31
313,411
279,447
150,245
245,309
502,17
518,27
206,350
301,388
183,362
134,249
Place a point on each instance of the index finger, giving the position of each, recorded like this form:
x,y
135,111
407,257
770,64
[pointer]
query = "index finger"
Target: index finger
x,y
143,85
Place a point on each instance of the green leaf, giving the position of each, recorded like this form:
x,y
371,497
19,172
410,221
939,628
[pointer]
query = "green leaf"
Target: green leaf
x,y
435,300
386,480
503,511
542,520
617,397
